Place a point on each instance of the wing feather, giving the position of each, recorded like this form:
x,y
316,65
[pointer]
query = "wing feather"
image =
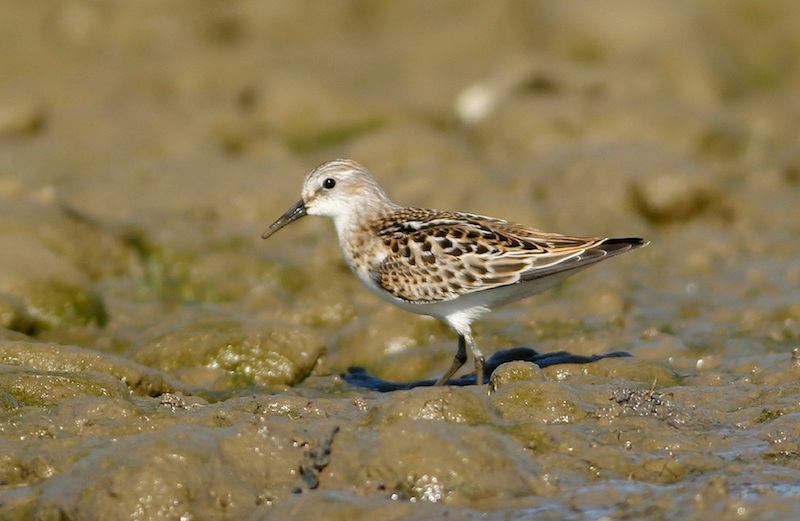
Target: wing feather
x,y
438,256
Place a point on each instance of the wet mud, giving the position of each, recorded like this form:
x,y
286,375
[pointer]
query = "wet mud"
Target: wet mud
x,y
158,360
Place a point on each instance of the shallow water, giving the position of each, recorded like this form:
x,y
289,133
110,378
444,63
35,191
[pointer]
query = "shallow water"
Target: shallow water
x,y
158,360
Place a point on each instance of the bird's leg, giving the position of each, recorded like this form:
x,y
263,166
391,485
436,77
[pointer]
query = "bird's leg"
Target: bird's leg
x,y
480,361
458,361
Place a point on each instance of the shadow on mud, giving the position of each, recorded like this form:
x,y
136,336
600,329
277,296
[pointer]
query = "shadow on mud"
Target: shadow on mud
x,y
359,377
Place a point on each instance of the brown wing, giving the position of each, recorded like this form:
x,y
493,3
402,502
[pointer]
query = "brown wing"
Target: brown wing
x,y
437,256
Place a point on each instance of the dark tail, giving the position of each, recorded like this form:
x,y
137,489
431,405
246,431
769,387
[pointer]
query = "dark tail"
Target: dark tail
x,y
619,245
605,250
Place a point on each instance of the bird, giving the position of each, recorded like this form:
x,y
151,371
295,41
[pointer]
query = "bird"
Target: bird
x,y
453,266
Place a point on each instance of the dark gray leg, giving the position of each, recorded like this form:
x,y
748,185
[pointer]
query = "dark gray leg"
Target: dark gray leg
x,y
480,361
458,361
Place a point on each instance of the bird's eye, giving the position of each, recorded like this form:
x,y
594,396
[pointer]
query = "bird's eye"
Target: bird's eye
x,y
329,183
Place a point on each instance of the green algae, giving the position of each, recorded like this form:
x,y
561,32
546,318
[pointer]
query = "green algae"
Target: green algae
x,y
209,350
48,388
63,359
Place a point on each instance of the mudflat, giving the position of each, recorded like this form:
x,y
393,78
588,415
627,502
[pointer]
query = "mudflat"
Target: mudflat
x,y
159,360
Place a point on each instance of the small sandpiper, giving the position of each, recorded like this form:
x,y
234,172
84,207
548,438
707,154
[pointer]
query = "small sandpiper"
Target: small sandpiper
x,y
450,265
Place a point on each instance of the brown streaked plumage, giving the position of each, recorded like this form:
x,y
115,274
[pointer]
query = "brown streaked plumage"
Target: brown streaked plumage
x,y
450,265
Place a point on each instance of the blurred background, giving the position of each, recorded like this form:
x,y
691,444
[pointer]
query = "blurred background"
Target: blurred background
x,y
144,146
158,358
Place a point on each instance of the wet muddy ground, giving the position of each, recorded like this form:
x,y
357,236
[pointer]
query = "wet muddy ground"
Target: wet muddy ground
x,y
158,360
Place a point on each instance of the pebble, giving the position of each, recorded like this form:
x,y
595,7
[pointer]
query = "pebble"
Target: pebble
x,y
21,119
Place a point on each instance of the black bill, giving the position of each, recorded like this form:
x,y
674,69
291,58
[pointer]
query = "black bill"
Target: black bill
x,y
295,212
